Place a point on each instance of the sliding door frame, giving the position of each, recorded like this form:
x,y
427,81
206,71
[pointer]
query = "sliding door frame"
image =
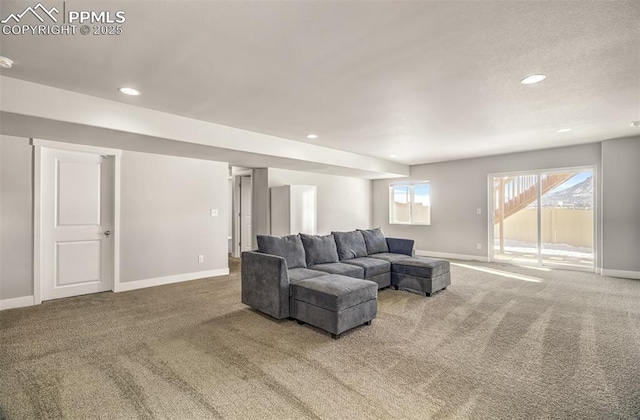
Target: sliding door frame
x,y
539,172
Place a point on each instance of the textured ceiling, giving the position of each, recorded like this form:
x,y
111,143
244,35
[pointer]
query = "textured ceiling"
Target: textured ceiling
x,y
426,81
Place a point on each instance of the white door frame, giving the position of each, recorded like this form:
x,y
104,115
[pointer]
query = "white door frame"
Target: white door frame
x,y
236,251
235,240
38,144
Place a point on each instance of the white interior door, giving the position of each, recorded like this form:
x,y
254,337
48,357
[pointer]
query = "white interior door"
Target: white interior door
x,y
77,223
245,214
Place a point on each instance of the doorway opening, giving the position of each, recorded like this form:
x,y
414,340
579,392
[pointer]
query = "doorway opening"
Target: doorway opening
x,y
242,226
544,217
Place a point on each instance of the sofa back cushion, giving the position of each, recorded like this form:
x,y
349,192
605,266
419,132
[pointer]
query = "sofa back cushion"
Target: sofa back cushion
x,y
319,249
288,247
375,241
350,245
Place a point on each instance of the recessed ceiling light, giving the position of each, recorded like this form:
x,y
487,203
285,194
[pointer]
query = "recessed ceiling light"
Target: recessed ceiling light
x,y
393,156
6,63
529,80
129,91
312,136
563,130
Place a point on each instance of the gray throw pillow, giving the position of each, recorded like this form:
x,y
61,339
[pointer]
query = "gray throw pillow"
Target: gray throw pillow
x,y
350,245
375,241
319,249
288,247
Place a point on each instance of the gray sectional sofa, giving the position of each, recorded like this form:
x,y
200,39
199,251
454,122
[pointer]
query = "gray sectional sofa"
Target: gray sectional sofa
x,y
331,281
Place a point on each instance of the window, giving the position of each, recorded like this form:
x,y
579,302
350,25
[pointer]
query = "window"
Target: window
x,y
410,203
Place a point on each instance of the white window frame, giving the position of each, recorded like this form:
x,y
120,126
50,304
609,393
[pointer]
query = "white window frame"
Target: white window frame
x,y
411,185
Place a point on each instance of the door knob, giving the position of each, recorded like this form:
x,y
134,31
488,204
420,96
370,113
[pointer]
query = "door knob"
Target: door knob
x,y
107,233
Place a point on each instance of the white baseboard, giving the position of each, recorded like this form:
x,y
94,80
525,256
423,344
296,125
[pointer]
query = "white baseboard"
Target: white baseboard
x,y
620,273
19,302
159,281
452,256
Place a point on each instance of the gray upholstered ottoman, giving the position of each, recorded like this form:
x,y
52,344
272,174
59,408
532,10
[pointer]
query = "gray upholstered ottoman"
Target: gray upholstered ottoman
x,y
334,303
420,274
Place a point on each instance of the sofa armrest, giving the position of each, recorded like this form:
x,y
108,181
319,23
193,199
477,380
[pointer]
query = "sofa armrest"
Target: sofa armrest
x,y
400,246
265,283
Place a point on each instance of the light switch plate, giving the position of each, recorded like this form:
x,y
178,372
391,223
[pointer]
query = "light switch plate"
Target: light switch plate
x,y
478,210
214,212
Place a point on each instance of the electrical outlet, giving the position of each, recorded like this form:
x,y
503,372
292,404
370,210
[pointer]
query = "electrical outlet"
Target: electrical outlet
x,y
478,210
200,258
478,245
214,212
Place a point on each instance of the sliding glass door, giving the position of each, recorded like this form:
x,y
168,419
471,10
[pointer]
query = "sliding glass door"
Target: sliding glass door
x,y
544,217
567,219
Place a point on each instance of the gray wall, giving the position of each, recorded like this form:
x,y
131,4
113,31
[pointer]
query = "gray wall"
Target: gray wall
x,y
165,215
621,204
16,217
344,203
458,188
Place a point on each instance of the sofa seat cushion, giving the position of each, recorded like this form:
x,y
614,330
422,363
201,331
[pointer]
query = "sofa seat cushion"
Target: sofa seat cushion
x,y
349,270
288,247
389,256
372,266
350,245
334,292
375,241
297,274
319,249
421,267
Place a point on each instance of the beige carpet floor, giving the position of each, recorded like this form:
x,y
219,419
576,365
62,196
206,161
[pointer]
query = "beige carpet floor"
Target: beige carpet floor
x,y
502,343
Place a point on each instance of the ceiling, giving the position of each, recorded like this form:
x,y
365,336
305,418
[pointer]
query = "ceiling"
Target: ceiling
x,y
426,81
